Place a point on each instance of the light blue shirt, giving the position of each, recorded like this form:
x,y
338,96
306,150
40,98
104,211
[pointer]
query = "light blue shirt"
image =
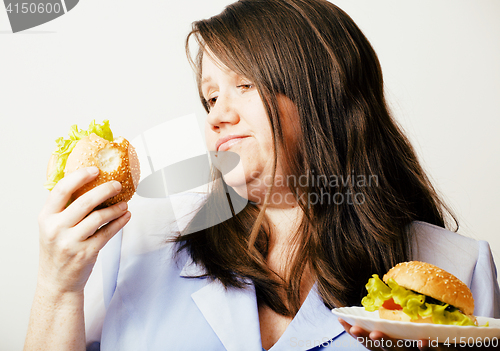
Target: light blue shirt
x,y
139,298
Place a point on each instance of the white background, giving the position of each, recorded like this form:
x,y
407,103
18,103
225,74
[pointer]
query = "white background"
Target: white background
x,y
124,61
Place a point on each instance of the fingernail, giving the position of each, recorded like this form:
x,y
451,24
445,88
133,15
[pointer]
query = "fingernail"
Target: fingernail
x,y
117,185
127,215
93,170
122,206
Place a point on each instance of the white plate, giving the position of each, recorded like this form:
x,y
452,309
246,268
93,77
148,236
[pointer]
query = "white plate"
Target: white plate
x,y
416,331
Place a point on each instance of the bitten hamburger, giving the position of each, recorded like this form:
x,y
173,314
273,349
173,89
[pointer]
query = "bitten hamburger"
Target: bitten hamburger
x,y
420,292
115,158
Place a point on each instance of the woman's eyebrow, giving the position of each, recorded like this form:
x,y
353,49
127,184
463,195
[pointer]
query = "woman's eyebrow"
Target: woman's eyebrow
x,y
206,82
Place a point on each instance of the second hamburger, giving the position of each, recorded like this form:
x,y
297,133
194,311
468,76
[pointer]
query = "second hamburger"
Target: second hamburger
x,y
420,292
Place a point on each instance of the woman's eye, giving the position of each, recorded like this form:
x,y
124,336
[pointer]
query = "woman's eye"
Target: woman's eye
x,y
211,102
245,86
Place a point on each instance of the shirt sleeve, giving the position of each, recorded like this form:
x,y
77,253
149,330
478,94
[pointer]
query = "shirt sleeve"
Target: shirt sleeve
x,y
468,259
99,290
484,284
153,222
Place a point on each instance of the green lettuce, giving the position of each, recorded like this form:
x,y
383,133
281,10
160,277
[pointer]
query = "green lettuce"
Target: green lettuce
x,y
65,146
413,304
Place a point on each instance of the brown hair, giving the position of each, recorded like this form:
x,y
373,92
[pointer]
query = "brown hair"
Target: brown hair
x,y
313,53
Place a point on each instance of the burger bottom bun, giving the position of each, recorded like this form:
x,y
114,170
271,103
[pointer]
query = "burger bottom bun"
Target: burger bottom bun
x,y
399,315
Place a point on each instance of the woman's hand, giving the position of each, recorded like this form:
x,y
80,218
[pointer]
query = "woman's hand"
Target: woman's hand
x,y
368,339
377,341
71,237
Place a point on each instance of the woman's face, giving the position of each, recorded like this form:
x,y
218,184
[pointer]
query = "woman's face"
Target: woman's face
x,y
237,123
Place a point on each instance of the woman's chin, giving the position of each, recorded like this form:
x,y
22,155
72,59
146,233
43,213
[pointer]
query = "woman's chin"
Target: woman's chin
x,y
233,174
246,190
238,183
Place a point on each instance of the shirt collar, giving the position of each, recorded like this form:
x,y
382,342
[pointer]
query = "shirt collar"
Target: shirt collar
x,y
312,325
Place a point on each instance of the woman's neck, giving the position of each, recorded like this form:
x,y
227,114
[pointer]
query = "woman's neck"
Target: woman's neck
x,y
283,224
283,239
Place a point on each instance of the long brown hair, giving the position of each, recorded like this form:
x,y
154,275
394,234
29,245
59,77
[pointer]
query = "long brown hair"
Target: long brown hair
x,y
314,54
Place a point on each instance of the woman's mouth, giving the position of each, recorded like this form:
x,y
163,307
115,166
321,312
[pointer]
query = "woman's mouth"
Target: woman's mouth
x,y
223,144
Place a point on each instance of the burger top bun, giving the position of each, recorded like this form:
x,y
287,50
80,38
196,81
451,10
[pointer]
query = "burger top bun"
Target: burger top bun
x,y
116,160
427,279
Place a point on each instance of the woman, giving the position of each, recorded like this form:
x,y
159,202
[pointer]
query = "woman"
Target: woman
x,y
326,192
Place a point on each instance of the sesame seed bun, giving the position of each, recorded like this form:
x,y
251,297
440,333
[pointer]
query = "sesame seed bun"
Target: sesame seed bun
x,y
116,160
427,279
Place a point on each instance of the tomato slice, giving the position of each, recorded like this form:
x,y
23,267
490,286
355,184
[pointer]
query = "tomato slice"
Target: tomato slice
x,y
391,305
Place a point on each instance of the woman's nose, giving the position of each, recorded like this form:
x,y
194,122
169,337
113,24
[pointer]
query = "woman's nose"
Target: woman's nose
x,y
222,114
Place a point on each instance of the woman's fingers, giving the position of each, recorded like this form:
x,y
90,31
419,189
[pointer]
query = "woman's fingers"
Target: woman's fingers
x,y
347,326
81,207
357,333
388,343
61,194
106,232
89,225
377,341
363,337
